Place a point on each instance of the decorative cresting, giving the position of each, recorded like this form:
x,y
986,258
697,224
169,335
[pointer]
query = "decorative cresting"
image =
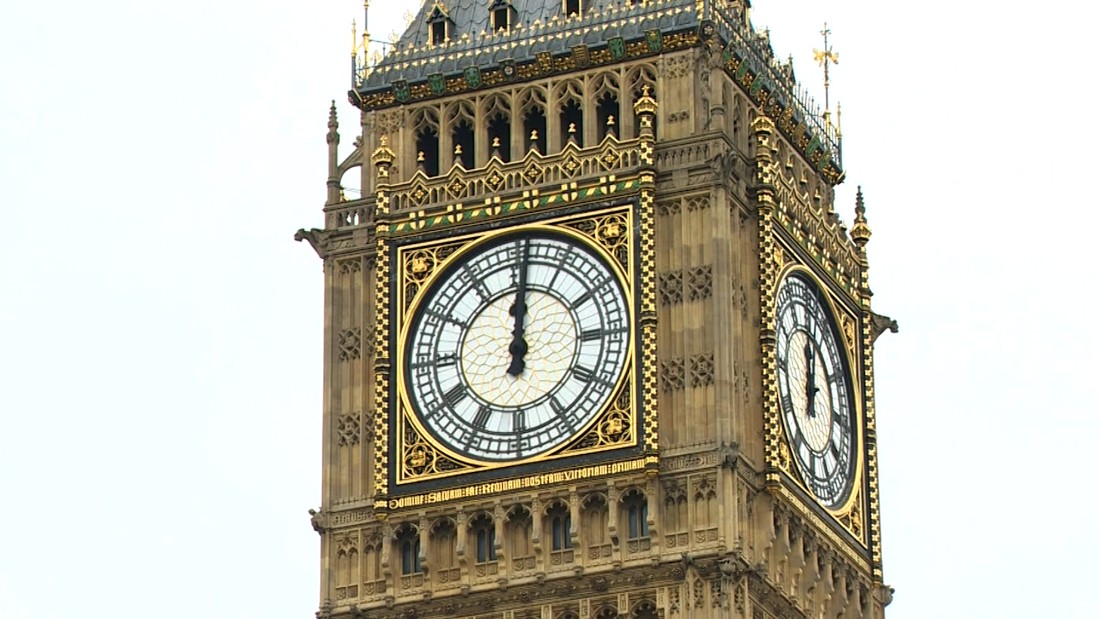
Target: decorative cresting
x,y
536,181
819,232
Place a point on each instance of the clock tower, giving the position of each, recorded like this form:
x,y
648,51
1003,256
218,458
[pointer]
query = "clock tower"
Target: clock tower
x,y
597,343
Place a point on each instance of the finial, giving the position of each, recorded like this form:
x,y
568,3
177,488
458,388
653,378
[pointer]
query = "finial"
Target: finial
x,y
458,155
573,132
645,103
534,139
825,57
383,157
610,120
421,163
861,232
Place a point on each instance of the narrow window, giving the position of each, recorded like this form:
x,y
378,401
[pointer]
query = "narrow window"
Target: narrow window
x,y
572,7
463,138
607,114
637,516
500,137
560,529
534,129
486,545
427,150
410,553
500,12
572,122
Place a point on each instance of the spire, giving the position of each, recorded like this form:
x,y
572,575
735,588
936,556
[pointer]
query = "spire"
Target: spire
x,y
861,232
333,125
333,139
825,57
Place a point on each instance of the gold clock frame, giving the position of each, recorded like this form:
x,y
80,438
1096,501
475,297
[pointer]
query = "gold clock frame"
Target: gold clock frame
x,y
621,234
849,513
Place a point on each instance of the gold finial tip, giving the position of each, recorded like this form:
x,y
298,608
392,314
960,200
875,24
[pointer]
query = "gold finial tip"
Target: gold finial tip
x,y
420,156
458,149
383,155
861,232
496,142
645,103
610,120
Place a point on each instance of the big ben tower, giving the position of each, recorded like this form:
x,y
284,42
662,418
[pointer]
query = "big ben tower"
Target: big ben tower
x,y
597,343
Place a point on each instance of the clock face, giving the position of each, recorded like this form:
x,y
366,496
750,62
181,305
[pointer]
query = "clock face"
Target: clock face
x,y
517,346
814,392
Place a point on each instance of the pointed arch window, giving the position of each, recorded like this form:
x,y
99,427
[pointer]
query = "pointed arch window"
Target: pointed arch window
x,y
439,25
571,8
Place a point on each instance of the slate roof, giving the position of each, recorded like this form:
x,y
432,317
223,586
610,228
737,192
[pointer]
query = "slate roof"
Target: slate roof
x,y
538,26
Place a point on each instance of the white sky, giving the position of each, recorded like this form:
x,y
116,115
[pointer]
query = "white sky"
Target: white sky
x,y
160,332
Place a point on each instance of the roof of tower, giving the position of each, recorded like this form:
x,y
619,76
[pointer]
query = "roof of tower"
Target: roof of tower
x,y
541,41
536,26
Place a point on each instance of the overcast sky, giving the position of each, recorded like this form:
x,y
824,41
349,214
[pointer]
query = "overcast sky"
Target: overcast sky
x,y
160,332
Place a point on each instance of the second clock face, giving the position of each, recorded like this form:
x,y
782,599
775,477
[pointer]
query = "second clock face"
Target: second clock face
x,y
814,393
517,346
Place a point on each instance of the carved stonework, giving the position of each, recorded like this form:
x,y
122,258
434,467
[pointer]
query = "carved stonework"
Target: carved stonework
x,y
668,207
698,203
699,282
670,287
349,344
702,370
347,429
672,374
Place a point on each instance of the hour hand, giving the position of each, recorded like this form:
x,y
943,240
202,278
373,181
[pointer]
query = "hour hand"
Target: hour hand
x,y
518,347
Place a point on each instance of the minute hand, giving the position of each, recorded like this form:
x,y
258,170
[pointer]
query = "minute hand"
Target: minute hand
x,y
811,380
518,347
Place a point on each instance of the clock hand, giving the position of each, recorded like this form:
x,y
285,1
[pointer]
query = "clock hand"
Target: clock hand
x,y
518,347
811,379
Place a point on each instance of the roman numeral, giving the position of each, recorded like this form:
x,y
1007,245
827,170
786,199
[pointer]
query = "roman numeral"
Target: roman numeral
x,y
455,394
591,334
482,417
582,373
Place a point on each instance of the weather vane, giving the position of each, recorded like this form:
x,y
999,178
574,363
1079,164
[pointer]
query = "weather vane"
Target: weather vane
x,y
824,58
